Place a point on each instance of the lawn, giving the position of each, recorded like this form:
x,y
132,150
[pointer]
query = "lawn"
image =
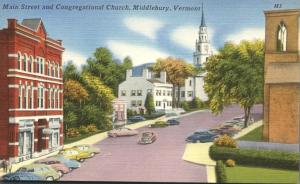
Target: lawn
x,y
254,135
68,140
243,174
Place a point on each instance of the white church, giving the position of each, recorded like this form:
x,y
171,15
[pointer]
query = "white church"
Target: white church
x,y
136,85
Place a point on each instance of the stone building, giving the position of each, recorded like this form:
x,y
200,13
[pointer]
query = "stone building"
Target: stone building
x,y
282,76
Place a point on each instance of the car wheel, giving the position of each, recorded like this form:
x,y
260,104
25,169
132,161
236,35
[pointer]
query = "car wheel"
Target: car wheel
x,y
49,178
92,154
81,160
60,173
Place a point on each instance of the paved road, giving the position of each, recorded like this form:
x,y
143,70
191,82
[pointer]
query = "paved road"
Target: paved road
x,y
122,159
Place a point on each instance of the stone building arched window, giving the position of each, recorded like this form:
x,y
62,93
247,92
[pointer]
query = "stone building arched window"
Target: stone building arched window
x,y
281,37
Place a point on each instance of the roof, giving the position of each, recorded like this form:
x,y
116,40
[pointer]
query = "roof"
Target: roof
x,y
138,70
283,72
202,18
154,81
32,23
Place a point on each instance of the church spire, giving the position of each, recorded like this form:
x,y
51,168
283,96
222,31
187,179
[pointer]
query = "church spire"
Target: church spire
x,y
202,18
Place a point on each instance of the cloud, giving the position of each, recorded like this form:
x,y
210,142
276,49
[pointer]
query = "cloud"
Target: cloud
x,y
247,34
144,26
186,36
139,53
77,58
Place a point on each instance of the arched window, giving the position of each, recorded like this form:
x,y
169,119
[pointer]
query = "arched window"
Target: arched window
x,y
30,64
25,62
49,68
281,37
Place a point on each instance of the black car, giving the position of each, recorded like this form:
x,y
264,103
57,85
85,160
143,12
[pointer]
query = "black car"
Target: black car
x,y
173,122
135,119
202,137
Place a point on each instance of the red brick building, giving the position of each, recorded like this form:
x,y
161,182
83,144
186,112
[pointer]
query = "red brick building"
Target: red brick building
x,y
31,91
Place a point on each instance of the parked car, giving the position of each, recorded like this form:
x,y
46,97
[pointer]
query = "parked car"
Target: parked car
x,y
136,118
171,113
122,132
75,154
89,148
42,170
147,138
173,122
158,124
202,137
72,164
22,176
60,167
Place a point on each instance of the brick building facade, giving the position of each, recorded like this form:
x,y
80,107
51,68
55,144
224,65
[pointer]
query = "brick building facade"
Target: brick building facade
x,y
31,96
282,76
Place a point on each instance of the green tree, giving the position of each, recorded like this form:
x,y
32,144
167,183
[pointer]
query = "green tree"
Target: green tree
x,y
177,71
71,72
149,104
235,75
74,91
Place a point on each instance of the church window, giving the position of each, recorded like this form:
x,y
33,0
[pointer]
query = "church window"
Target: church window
x,y
190,82
281,37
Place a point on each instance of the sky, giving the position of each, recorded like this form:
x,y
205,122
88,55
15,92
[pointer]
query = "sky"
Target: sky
x,y
146,35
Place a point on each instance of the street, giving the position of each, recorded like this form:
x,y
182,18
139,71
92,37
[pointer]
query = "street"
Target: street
x,y
122,159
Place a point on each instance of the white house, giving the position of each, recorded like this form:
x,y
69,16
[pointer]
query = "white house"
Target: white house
x,y
135,88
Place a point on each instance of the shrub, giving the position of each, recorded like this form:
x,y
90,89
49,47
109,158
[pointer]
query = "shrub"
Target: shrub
x,y
263,158
72,132
129,113
92,128
154,115
83,130
220,172
196,103
185,105
225,141
230,163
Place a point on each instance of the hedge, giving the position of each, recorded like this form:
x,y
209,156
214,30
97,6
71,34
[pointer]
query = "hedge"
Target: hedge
x,y
220,172
264,158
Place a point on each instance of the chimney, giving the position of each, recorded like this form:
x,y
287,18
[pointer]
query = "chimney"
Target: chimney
x,y
145,73
128,73
12,23
163,76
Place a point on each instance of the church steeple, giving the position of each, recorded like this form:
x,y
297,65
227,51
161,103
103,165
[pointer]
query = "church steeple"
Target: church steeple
x,y
202,18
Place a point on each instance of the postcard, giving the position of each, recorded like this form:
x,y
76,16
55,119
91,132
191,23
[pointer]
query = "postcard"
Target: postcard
x,y
184,91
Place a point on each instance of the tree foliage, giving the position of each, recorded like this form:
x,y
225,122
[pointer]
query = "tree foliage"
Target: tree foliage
x,y
235,75
149,104
74,91
177,71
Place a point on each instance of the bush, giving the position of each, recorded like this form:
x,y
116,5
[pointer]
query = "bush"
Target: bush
x,y
185,105
230,163
196,103
92,128
154,115
129,113
220,172
225,141
72,132
83,130
262,158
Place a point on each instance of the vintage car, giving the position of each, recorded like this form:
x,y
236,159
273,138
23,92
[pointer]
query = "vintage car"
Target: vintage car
x,y
88,148
72,164
158,124
135,119
147,138
75,154
22,176
173,122
42,170
122,132
202,137
60,167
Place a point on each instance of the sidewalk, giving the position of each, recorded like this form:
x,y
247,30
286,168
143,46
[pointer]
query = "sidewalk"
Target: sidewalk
x,y
92,140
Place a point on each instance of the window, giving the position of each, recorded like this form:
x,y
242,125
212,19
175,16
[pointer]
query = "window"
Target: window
x,y
57,99
281,37
139,102
58,71
40,97
158,103
42,66
168,93
190,82
30,64
19,61
26,97
190,93
133,103
53,99
37,65
139,92
20,96
49,97
30,93
158,92
53,70
133,92
182,94
164,92
25,63
123,93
